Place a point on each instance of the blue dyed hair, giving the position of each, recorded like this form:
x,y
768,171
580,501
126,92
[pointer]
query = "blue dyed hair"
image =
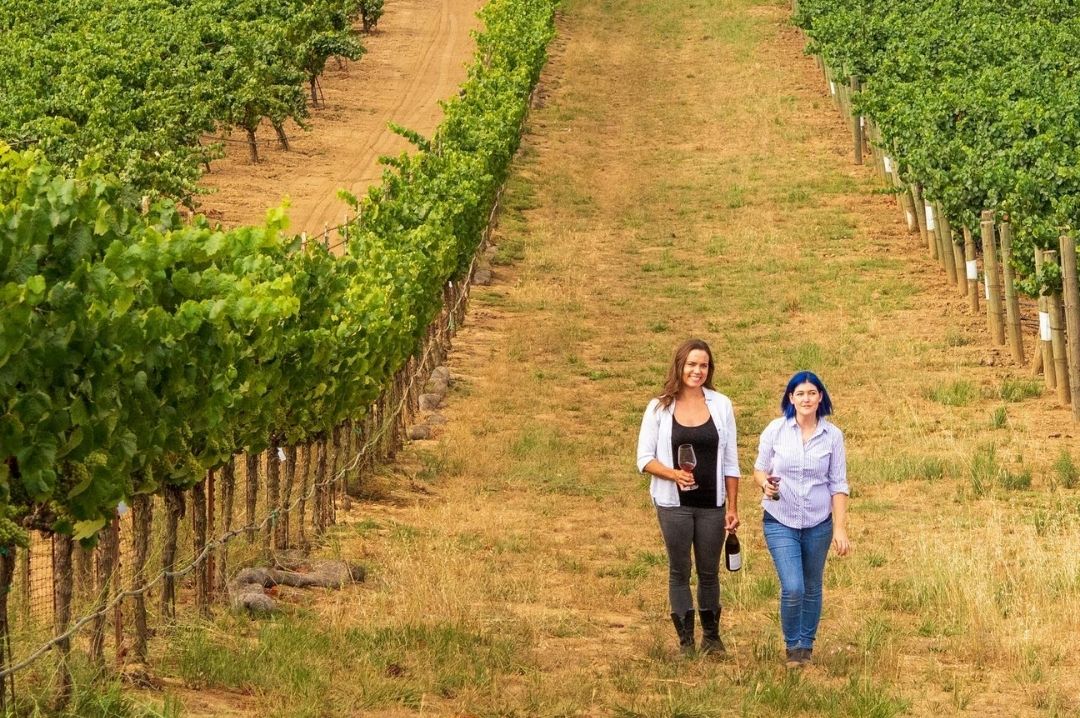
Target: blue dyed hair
x,y
804,377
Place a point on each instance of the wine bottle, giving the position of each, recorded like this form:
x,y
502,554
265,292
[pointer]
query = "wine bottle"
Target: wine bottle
x,y
732,555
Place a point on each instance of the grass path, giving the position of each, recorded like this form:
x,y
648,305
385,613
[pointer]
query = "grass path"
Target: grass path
x,y
685,174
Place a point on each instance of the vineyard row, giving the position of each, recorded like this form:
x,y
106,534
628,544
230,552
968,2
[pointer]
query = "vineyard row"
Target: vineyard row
x,y
970,113
139,352
139,85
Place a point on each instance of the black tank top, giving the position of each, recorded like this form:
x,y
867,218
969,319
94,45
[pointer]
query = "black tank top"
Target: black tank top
x,y
706,442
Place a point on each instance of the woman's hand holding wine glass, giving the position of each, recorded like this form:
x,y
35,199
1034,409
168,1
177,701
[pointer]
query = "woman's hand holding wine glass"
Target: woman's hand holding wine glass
x,y
686,460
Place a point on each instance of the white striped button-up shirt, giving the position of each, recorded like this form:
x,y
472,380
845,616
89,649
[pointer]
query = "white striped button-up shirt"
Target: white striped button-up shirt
x,y
810,473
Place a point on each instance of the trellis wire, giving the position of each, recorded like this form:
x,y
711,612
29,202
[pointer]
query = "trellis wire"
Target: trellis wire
x,y
384,426
386,422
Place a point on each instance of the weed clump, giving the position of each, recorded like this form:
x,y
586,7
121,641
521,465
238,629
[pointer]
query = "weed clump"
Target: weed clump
x,y
986,472
1068,476
1019,389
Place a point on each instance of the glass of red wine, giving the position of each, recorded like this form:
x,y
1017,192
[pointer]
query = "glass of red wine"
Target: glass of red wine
x,y
687,461
775,481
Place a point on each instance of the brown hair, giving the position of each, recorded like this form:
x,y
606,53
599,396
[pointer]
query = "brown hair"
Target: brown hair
x,y
673,383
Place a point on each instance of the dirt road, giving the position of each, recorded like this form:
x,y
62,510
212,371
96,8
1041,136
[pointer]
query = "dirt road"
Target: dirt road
x,y
416,57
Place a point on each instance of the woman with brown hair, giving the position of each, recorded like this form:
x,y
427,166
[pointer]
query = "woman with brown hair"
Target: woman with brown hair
x,y
695,489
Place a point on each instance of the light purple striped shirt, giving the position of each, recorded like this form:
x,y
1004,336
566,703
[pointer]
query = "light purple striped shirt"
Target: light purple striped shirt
x,y
809,473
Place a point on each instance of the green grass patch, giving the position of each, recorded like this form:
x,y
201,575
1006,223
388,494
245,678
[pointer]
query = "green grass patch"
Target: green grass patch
x,y
637,568
92,696
984,470
956,393
1020,389
296,663
812,356
1066,473
543,456
753,590
897,469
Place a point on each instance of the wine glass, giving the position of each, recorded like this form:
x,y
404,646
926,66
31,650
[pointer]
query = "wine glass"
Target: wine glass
x,y
774,479
687,461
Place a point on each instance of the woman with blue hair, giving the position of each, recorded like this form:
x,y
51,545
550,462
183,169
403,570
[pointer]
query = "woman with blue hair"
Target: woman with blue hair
x,y
801,468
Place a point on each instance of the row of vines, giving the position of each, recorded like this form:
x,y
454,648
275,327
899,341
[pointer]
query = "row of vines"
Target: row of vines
x,y
141,84
971,111
140,352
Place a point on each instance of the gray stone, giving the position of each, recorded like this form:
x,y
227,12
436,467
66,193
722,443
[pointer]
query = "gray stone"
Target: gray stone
x,y
436,419
430,401
482,277
435,385
247,591
441,372
420,431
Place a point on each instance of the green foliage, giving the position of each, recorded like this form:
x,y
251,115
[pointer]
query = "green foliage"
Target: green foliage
x,y
137,351
163,76
370,12
978,101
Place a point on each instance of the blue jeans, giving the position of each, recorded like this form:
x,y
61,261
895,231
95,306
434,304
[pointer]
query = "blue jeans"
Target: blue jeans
x,y
799,557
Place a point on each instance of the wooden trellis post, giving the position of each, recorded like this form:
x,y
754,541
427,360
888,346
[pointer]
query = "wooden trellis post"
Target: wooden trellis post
x,y
931,229
1071,290
857,126
947,244
1012,301
63,580
961,268
1057,336
992,278
920,211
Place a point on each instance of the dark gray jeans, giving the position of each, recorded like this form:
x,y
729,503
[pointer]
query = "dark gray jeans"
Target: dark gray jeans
x,y
702,529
